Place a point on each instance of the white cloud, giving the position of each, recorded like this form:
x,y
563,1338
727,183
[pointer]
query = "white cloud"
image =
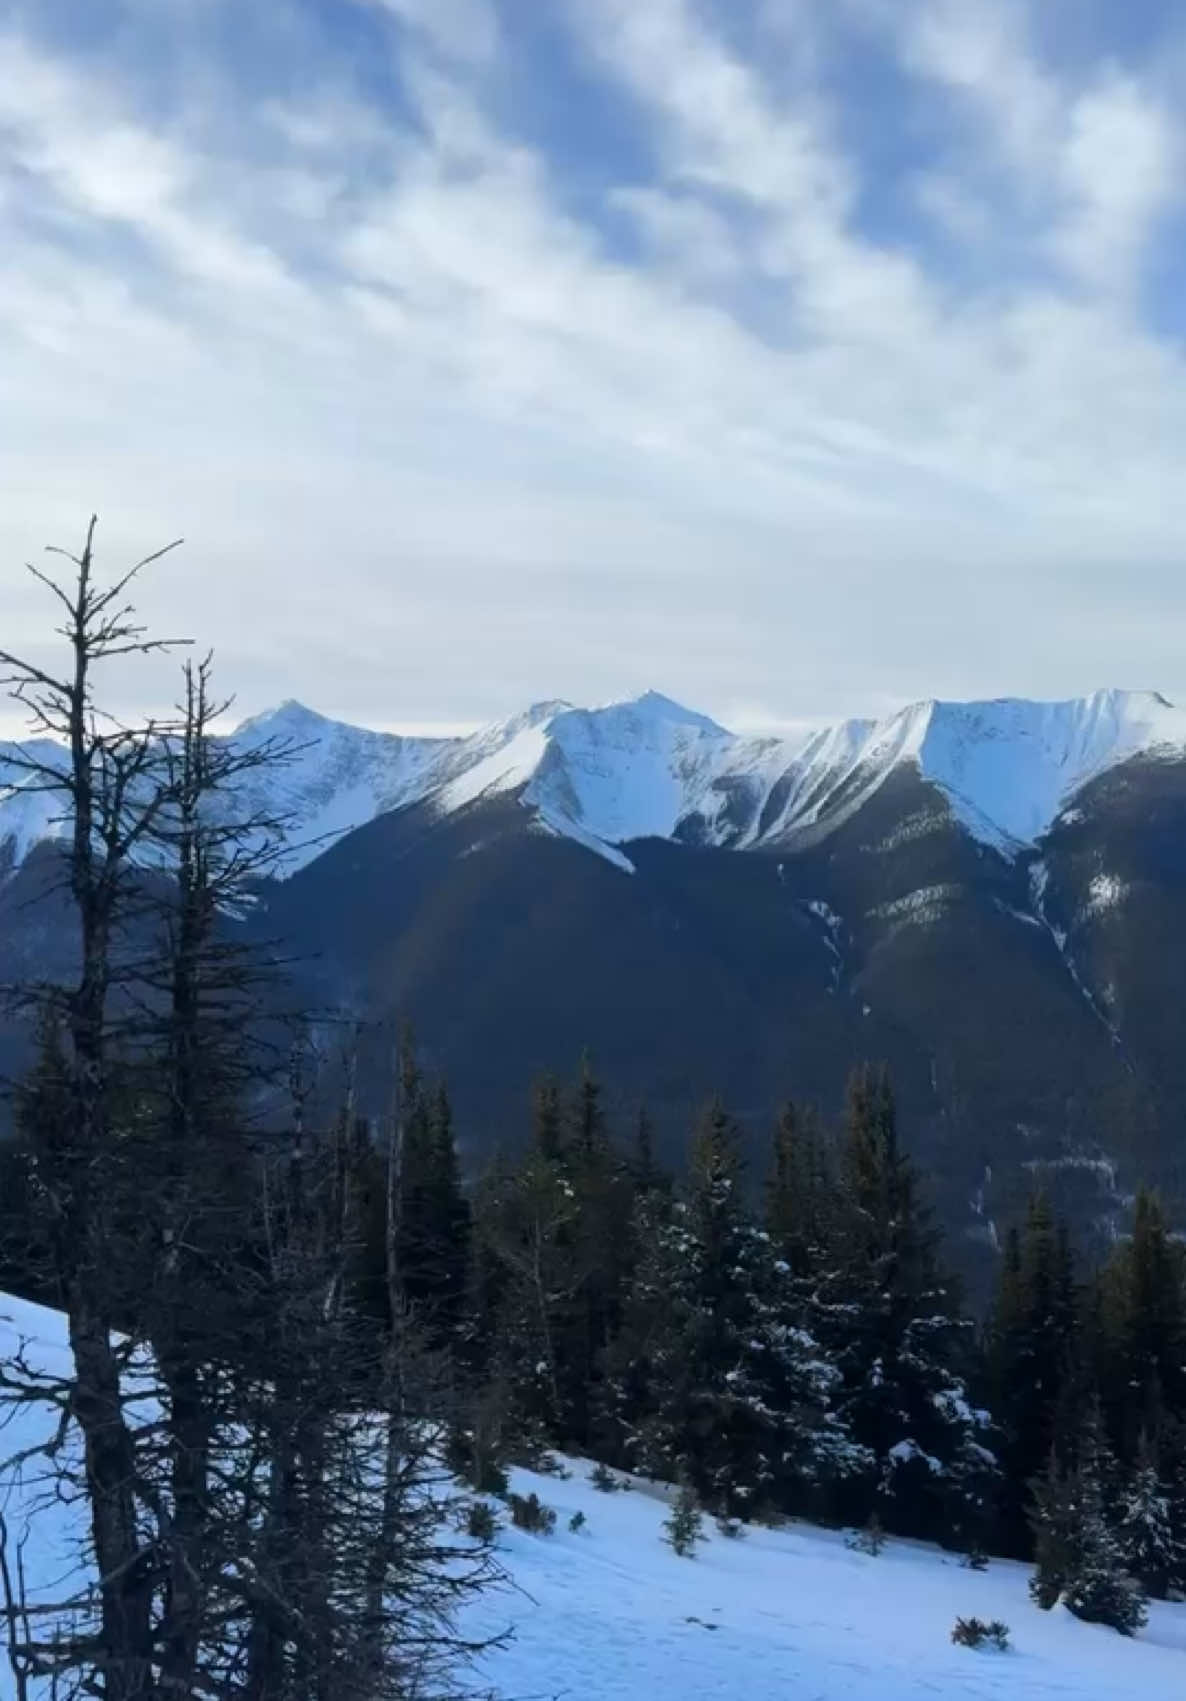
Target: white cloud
x,y
1122,165
461,29
438,448
1094,165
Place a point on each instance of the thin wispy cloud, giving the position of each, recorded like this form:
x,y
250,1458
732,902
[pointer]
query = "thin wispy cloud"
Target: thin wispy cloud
x,y
798,359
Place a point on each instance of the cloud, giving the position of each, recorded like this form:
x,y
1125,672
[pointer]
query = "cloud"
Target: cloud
x,y
1092,165
449,430
460,29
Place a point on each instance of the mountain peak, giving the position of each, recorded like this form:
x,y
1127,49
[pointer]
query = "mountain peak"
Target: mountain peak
x,y
656,706
287,719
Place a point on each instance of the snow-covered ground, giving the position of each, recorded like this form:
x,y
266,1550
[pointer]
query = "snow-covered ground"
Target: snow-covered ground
x,y
609,1613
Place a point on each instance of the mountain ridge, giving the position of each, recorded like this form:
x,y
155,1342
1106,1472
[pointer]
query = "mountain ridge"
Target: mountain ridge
x,y
648,767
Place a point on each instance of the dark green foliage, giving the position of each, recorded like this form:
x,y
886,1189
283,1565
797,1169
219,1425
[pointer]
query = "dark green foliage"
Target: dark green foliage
x,y
684,1527
1079,1553
481,1522
1034,1359
528,1512
1113,1347
802,1194
471,1455
975,1633
715,1377
1142,1329
1154,1550
604,1480
548,1120
434,1218
555,1261
890,1315
645,1172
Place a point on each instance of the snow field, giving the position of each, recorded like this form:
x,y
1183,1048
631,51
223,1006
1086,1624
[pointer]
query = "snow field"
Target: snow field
x,y
611,1614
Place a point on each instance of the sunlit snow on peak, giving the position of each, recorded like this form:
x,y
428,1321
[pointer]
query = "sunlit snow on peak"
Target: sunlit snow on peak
x,y
649,767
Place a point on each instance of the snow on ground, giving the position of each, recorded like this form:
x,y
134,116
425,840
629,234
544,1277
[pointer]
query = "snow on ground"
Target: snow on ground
x,y
610,1612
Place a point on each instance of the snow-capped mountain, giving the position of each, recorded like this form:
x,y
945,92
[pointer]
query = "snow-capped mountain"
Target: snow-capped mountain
x,y
649,768
991,897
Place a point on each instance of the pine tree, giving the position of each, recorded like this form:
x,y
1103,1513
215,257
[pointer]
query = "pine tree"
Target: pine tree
x,y
719,1380
548,1119
1034,1361
1152,1548
645,1171
685,1526
587,1136
800,1204
434,1220
902,1345
1143,1329
1079,1552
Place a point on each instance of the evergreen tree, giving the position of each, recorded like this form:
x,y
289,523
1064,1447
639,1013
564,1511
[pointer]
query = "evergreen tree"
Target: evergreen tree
x,y
1079,1551
1143,1329
720,1383
434,1219
525,1217
800,1204
548,1119
1153,1550
1034,1356
645,1171
587,1136
902,1345
685,1525
603,1189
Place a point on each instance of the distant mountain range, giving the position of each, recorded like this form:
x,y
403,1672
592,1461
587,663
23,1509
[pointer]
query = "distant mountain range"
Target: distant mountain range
x,y
991,896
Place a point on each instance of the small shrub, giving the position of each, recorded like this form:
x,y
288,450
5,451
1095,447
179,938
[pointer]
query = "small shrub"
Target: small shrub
x,y
731,1528
870,1540
604,1480
577,1522
548,1465
685,1527
975,1633
480,1522
528,1512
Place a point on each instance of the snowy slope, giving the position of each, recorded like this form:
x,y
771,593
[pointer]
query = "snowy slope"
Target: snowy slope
x,y
650,768
610,1612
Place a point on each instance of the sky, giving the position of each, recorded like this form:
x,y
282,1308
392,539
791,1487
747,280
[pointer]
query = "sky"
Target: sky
x,y
797,358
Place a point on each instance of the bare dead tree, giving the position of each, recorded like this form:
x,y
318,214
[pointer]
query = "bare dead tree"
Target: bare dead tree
x,y
111,800
265,1518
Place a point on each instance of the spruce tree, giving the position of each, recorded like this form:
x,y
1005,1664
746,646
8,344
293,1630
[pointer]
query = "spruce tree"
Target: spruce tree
x,y
904,1349
1079,1549
1034,1361
645,1171
434,1219
721,1383
1152,1548
800,1203
1143,1329
548,1119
